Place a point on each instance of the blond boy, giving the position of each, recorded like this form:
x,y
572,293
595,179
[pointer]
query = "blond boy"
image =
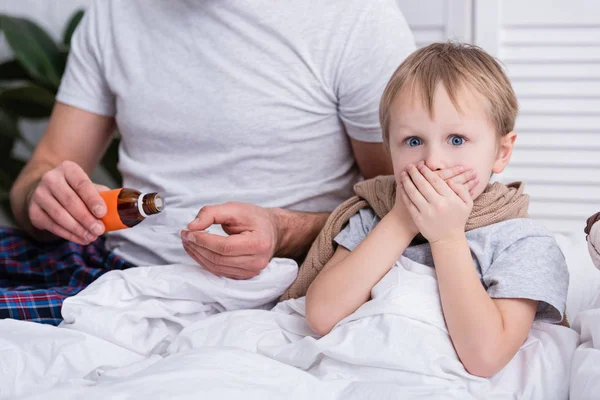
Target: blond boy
x,y
451,104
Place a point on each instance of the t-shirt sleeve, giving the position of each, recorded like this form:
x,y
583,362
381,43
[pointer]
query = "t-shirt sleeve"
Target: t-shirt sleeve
x,y
377,45
357,228
531,268
83,84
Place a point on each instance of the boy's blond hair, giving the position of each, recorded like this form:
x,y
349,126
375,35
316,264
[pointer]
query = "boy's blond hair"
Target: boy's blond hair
x,y
455,65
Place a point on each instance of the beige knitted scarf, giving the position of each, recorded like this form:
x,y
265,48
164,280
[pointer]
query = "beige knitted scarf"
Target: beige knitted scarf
x,y
497,203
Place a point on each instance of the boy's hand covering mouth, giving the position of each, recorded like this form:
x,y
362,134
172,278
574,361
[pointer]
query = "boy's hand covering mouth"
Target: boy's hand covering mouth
x,y
439,208
457,174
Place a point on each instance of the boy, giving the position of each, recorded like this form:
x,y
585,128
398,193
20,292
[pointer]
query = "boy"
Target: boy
x,y
451,104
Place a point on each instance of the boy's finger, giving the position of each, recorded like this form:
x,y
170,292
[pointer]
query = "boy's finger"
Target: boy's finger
x,y
464,177
412,209
452,172
422,184
412,192
462,192
439,185
471,185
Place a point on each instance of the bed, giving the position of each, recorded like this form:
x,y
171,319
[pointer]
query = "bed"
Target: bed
x,y
168,332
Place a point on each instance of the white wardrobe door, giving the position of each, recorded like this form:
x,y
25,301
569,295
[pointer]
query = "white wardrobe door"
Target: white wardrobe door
x,y
438,20
551,51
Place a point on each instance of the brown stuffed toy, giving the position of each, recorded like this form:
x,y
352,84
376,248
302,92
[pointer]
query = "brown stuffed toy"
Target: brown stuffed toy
x,y
592,230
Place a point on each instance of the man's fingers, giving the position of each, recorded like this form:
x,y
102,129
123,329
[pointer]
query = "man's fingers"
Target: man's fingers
x,y
252,263
205,218
224,214
85,189
59,215
233,245
41,220
220,270
75,206
192,253
101,188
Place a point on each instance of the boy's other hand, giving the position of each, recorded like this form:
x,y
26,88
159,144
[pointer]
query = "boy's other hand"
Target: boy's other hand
x,y
457,174
439,208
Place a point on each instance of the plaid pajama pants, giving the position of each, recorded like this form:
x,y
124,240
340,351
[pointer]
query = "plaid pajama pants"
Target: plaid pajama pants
x,y
36,277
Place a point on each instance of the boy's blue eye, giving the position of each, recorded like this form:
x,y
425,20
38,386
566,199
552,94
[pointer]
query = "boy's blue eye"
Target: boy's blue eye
x,y
413,141
456,140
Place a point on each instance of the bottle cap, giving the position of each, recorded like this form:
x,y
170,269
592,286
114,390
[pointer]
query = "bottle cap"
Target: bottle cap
x,y
150,204
159,203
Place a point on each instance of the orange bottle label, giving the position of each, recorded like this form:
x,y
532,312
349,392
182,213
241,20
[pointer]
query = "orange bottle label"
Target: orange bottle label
x,y
112,221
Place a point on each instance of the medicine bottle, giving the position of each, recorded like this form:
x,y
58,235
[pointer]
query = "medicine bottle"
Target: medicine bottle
x,y
128,207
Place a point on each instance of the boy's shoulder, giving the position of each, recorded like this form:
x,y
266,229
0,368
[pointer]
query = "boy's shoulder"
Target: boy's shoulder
x,y
502,235
517,227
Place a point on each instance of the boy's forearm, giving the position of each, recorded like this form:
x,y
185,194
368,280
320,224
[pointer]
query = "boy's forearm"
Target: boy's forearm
x,y
474,322
342,288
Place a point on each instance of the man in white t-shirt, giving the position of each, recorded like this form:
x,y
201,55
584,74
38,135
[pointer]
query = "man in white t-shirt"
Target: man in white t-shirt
x,y
256,115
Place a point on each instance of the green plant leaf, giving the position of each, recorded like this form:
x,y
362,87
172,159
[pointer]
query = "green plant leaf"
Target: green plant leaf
x,y
12,70
34,49
70,28
11,168
5,204
64,56
8,125
6,145
28,101
5,181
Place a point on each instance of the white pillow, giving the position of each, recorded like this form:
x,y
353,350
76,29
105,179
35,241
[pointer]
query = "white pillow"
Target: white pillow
x,y
584,282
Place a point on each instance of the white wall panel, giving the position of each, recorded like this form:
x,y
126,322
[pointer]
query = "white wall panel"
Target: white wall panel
x,y
551,51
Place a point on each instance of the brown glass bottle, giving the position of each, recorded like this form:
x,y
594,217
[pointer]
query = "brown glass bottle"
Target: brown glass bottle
x,y
128,207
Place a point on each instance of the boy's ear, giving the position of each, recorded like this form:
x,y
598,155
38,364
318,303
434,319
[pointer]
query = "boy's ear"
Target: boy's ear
x,y
504,152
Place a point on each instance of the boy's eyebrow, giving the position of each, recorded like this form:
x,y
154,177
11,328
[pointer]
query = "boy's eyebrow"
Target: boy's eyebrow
x,y
410,128
458,127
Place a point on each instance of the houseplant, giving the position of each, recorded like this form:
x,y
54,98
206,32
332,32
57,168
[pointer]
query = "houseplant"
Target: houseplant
x,y
28,86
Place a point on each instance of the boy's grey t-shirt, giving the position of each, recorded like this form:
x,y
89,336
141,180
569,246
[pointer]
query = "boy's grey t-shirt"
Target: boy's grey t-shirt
x,y
234,100
517,258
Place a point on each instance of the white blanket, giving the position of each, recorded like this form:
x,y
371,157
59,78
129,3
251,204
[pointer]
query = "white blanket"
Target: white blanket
x,y
585,374
153,333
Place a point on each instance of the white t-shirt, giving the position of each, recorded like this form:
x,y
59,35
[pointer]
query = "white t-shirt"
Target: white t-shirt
x,y
234,100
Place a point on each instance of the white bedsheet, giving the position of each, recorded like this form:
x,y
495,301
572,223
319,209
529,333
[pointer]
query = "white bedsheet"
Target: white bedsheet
x,y
583,307
585,374
153,333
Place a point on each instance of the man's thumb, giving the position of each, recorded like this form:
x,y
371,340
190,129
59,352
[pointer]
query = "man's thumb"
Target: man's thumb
x,y
210,215
101,188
